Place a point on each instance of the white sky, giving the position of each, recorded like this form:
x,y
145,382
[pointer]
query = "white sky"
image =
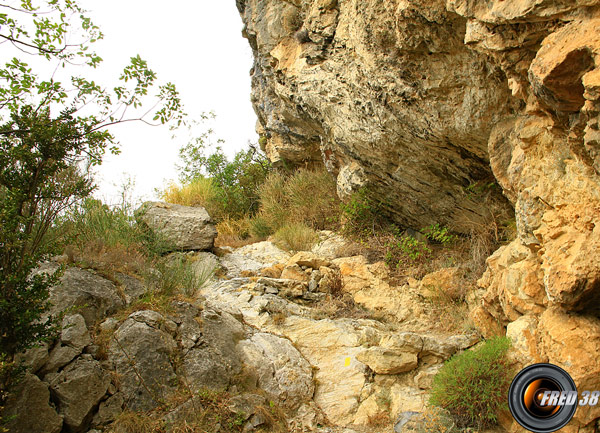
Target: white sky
x,y
196,45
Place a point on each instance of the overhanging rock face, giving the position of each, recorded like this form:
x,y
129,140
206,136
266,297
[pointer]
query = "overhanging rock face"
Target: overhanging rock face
x,y
418,99
385,94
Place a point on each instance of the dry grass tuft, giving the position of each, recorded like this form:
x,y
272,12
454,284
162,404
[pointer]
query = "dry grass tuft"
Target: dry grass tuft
x,y
200,192
296,237
306,197
380,419
134,422
235,233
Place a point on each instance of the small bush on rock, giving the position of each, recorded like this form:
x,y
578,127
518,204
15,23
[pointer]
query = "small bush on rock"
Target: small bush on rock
x,y
472,385
439,234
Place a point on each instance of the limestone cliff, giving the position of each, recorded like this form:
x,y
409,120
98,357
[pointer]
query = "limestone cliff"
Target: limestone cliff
x,y
386,94
420,99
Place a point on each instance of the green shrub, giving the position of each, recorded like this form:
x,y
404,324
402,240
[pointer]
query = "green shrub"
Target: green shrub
x,y
473,385
440,235
235,182
406,249
360,214
296,237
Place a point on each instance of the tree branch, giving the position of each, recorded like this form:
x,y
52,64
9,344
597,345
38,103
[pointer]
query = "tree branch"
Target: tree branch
x,y
43,50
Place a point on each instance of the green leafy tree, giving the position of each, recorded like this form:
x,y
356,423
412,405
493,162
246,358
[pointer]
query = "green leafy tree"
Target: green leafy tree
x,y
50,132
237,181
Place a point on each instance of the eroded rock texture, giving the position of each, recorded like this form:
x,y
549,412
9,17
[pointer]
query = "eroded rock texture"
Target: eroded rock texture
x,y
385,94
418,100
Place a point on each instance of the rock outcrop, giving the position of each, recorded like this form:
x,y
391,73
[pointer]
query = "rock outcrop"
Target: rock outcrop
x,y
31,397
421,102
183,227
385,94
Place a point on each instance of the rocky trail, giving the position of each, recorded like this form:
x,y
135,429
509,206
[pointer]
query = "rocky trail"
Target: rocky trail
x,y
264,329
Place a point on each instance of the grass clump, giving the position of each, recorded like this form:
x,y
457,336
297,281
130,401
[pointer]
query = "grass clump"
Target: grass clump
x,y
134,422
110,239
200,191
360,215
296,237
178,274
204,411
307,197
472,385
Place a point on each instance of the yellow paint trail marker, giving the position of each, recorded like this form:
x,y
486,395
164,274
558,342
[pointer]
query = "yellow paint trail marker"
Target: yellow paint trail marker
x,y
347,362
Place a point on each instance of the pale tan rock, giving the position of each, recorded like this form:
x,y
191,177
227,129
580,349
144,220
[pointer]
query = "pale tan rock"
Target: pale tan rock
x,y
272,271
523,335
388,361
332,246
488,325
369,288
406,398
294,272
282,372
253,257
514,286
572,342
424,379
332,347
564,57
368,410
388,97
331,280
571,239
446,282
307,258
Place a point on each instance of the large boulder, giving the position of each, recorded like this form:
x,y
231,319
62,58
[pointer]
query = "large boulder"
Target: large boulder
x,y
74,338
87,293
185,227
141,350
281,369
78,389
28,408
213,360
386,95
